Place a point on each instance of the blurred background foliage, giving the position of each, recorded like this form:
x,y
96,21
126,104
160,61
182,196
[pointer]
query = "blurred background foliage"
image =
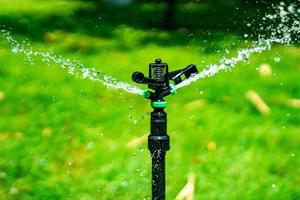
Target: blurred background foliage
x,y
169,14
68,138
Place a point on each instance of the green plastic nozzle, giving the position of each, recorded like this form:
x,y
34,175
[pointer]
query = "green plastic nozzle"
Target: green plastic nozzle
x,y
146,94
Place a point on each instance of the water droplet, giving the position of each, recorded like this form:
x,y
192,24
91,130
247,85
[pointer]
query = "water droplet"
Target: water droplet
x,y
115,188
3,175
13,191
277,59
138,170
291,8
98,189
124,184
14,50
90,145
273,185
141,149
43,161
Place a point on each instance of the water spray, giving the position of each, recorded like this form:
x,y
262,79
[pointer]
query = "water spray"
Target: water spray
x,y
158,141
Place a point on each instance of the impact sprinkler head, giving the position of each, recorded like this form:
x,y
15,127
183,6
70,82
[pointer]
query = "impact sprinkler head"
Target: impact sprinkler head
x,y
159,79
158,82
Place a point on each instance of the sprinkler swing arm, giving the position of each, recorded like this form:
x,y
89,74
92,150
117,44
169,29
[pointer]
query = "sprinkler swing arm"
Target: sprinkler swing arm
x,y
158,141
159,78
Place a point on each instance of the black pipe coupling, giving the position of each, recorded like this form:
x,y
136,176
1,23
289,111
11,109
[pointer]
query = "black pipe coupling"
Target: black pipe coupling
x,y
158,144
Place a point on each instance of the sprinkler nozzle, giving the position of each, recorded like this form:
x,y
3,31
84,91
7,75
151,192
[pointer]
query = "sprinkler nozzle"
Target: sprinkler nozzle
x,y
159,78
138,77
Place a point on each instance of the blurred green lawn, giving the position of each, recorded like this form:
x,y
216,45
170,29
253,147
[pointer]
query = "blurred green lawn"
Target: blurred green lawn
x,y
66,138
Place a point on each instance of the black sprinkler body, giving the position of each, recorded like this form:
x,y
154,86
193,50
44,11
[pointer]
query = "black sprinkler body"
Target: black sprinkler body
x,y
158,82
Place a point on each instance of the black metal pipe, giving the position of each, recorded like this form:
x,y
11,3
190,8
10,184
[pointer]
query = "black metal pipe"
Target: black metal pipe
x,y
158,144
158,176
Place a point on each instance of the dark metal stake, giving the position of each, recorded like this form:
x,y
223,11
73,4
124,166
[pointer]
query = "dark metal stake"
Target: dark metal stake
x,y
158,140
158,144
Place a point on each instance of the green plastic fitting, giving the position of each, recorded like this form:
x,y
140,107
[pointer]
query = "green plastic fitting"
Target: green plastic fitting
x,y
159,104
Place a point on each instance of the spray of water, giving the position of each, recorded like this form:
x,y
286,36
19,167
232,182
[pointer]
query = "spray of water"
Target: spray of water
x,y
74,67
281,27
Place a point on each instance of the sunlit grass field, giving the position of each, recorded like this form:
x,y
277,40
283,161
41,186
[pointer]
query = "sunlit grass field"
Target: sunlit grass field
x,y
63,137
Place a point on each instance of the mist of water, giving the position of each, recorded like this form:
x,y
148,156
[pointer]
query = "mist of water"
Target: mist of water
x,y
280,27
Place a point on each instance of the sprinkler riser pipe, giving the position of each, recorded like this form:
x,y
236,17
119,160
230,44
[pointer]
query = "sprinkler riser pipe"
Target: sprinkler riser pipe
x,y
158,145
158,140
158,176
158,122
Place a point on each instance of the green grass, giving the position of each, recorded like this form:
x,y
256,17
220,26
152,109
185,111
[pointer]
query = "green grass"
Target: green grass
x,y
61,7
63,137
